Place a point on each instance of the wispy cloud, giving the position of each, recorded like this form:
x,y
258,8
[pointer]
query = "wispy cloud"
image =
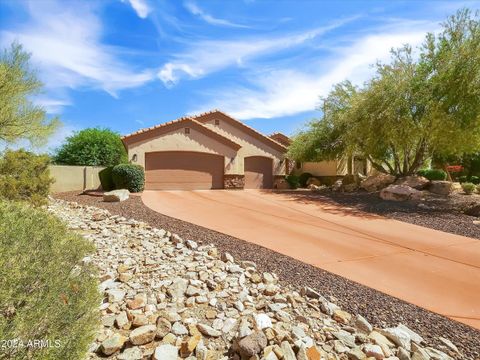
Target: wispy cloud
x,y
52,105
64,39
141,7
204,57
288,91
197,11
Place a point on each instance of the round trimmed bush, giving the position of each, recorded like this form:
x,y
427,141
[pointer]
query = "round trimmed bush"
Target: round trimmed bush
x,y
462,179
468,188
129,176
106,178
433,174
293,181
475,180
46,291
303,178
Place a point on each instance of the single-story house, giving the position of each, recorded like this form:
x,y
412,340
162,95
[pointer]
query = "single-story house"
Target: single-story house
x,y
209,151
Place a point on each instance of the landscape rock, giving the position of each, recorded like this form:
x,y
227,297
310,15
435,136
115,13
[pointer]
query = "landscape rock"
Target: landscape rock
x,y
377,182
116,195
416,182
252,344
165,352
313,181
440,187
400,193
113,344
473,210
143,334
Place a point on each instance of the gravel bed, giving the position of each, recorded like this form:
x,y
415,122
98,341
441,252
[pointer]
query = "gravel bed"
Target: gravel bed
x,y
380,309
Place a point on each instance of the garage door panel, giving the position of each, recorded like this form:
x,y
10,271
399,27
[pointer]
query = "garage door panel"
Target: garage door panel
x,y
183,170
258,172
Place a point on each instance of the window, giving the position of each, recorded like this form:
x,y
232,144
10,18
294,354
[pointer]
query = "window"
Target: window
x,y
217,122
187,130
298,164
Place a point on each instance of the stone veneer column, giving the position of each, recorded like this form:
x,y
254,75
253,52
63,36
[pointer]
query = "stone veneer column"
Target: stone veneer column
x,y
233,181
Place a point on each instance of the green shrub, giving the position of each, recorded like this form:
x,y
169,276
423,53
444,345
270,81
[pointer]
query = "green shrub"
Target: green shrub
x,y
293,181
475,180
93,147
468,188
46,292
303,178
129,176
433,174
463,179
25,176
106,178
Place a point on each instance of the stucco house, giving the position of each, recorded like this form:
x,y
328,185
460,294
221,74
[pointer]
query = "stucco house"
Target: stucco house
x,y
209,151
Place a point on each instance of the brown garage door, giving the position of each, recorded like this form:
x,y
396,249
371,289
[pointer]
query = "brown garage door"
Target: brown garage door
x,y
258,172
183,170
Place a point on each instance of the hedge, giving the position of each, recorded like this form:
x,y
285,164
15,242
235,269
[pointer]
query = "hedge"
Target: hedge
x,y
433,174
303,178
46,292
129,176
106,178
293,181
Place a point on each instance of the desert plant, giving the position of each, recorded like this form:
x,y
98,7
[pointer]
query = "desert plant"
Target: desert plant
x,y
293,181
129,176
93,147
25,176
46,291
433,174
475,180
462,179
468,188
303,178
106,178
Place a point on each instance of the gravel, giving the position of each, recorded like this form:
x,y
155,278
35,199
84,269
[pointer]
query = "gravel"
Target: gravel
x,y
380,309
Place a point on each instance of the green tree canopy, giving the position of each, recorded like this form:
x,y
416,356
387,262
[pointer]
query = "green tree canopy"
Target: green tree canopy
x,y
92,146
411,109
19,117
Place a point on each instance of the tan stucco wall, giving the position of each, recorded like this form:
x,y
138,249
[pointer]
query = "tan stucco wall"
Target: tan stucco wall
x,y
177,140
74,178
321,168
250,147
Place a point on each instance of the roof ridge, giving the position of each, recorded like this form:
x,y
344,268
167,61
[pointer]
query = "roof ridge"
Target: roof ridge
x,y
240,122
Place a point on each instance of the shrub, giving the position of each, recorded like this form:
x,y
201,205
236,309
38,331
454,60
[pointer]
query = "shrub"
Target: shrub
x,y
433,174
293,181
303,178
475,180
468,188
25,176
106,178
46,292
93,147
463,179
129,176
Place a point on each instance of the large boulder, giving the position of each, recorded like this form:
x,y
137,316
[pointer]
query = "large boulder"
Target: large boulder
x,y
440,187
416,182
377,182
116,195
473,210
313,181
400,193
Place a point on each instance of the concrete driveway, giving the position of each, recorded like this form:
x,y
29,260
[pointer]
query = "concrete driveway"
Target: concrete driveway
x,y
429,268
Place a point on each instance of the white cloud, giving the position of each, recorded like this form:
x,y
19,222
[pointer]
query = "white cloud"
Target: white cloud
x,y
197,11
141,7
283,92
204,57
65,46
52,105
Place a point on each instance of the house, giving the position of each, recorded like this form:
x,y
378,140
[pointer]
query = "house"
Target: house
x,y
325,170
209,151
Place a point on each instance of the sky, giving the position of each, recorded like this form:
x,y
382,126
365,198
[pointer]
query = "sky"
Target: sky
x,y
131,64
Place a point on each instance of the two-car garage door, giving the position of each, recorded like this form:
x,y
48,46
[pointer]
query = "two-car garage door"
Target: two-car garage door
x,y
183,170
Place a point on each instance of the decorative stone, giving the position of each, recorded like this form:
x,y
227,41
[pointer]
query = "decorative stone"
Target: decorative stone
x,y
143,334
415,182
440,187
112,344
400,193
252,344
116,195
165,352
208,330
377,182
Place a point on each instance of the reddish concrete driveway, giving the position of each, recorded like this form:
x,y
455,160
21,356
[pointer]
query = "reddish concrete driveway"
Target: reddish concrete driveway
x,y
432,269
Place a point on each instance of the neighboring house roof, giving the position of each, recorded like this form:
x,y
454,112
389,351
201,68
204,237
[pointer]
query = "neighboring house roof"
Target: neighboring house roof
x,y
281,138
215,114
183,122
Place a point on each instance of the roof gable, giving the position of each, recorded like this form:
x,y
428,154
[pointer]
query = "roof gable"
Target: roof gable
x,y
217,114
281,138
154,131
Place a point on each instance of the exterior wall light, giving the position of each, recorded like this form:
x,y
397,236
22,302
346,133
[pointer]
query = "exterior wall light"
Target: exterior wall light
x,y
134,157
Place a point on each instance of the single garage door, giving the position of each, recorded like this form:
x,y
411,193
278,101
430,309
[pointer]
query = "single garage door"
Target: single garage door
x,y
183,170
258,172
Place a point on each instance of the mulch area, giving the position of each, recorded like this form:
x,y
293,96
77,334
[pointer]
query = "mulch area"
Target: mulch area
x,y
380,309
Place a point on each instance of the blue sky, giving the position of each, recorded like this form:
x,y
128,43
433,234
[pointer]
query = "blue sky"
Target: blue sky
x,y
128,64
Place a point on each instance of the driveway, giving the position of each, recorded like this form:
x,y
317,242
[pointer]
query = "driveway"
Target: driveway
x,y
432,269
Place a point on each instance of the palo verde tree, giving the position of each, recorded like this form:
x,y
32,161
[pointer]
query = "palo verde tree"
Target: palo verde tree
x,y
414,107
20,118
